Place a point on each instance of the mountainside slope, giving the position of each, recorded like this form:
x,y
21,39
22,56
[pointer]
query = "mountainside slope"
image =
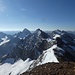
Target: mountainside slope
x,y
15,69
36,49
32,46
8,46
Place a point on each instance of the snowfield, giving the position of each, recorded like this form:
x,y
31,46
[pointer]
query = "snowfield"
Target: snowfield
x,y
46,57
15,69
49,55
21,66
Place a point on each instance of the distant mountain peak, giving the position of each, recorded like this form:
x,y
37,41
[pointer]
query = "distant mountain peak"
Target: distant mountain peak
x,y
38,32
25,30
23,34
41,33
38,29
57,31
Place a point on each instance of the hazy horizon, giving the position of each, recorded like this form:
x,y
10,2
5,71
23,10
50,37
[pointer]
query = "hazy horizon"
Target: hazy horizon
x,y
32,30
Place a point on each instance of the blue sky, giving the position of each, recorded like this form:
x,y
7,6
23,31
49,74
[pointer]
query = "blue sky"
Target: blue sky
x,y
33,14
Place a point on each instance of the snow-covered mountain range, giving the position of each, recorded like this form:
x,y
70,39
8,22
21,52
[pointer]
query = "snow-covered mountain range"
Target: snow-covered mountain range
x,y
25,50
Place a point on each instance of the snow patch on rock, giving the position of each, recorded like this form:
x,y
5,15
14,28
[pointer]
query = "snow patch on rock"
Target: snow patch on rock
x,y
56,35
5,40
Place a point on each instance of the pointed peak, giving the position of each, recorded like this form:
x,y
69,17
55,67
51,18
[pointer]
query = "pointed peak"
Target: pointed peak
x,y
38,30
41,33
25,30
58,30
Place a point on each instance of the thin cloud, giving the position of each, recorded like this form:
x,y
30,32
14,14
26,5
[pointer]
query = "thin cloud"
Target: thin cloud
x,y
7,15
2,6
23,9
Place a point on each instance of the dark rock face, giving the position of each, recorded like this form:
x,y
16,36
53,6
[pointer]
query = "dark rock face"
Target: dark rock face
x,y
42,34
8,48
67,43
32,46
3,47
59,42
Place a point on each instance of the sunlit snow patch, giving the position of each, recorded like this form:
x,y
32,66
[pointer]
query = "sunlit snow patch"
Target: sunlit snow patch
x,y
48,56
15,69
56,35
4,40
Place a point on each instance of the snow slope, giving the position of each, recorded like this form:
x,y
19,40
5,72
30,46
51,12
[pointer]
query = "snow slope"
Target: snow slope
x,y
21,66
49,55
46,57
15,69
4,40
